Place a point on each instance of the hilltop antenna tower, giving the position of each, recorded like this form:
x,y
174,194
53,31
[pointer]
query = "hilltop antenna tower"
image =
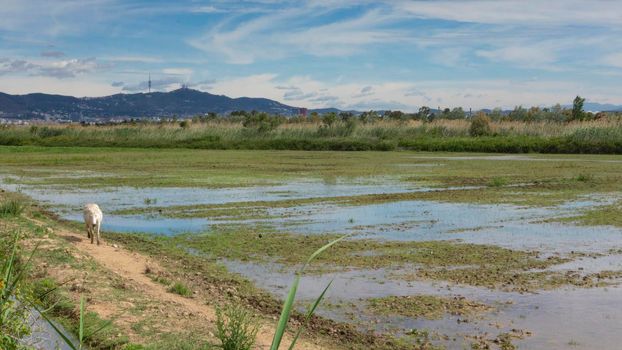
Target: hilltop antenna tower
x,y
149,83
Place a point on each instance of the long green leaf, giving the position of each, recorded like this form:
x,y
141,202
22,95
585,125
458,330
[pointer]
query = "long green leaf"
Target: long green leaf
x,y
309,314
319,251
285,313
58,331
18,277
8,266
105,325
41,296
81,331
291,296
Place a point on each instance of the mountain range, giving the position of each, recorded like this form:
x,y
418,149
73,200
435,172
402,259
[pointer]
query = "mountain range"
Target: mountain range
x,y
182,102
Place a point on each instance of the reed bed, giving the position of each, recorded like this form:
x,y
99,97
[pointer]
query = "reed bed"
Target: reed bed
x,y
594,136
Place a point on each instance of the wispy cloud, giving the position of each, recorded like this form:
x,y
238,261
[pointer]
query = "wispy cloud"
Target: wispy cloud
x,y
58,69
296,31
521,12
52,53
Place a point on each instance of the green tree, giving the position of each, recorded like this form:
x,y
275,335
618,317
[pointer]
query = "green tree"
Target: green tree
x,y
577,108
457,113
329,118
395,115
424,113
519,113
345,116
496,114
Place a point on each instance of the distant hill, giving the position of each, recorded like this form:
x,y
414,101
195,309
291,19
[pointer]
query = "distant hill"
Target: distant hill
x,y
181,102
600,107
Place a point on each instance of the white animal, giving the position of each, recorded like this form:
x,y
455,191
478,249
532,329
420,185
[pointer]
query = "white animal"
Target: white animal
x,y
93,219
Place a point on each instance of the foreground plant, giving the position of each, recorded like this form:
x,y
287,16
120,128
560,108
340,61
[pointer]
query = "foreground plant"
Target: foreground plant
x,y
11,207
15,307
236,328
289,302
13,313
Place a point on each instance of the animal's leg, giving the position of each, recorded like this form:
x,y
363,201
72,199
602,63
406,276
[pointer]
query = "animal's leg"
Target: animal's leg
x,y
97,227
92,233
88,231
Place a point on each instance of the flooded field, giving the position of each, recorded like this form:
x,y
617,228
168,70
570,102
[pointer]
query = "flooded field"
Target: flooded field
x,y
500,257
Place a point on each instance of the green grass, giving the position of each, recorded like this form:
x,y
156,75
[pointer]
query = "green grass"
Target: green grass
x,y
544,180
181,289
474,264
498,182
600,215
12,207
98,333
425,306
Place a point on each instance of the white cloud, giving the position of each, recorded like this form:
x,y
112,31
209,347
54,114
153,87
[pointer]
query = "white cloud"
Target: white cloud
x,y
177,71
135,59
304,91
297,31
72,86
206,9
58,69
521,12
525,56
613,60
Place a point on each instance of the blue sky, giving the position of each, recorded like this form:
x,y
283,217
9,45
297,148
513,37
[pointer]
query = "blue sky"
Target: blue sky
x,y
320,53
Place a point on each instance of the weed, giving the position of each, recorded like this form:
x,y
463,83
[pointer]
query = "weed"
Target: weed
x,y
236,328
181,289
585,177
12,207
497,182
162,280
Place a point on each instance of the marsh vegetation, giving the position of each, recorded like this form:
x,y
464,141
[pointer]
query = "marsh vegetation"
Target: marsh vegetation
x,y
483,133
444,250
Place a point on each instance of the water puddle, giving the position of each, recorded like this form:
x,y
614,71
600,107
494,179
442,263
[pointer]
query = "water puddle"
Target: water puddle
x,y
554,319
516,157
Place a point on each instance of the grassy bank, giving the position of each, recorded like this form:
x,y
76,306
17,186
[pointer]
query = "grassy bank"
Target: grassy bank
x,y
596,136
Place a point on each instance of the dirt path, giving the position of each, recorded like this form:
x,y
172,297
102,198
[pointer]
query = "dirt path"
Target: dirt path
x,y
131,267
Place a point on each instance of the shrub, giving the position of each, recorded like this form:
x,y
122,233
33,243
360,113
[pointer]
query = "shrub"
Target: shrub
x,y
480,126
236,328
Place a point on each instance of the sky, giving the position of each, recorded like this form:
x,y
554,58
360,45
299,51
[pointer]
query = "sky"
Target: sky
x,y
349,54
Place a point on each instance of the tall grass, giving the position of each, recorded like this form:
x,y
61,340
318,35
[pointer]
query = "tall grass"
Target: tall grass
x,y
13,310
594,136
11,207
